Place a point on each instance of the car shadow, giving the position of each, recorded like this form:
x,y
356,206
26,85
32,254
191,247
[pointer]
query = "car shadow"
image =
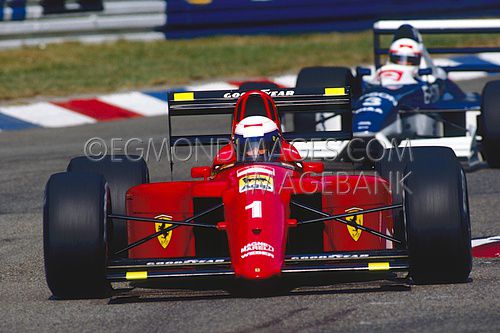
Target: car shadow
x,y
142,295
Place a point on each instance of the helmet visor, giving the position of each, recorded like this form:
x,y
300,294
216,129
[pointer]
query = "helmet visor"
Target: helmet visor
x,y
408,60
258,149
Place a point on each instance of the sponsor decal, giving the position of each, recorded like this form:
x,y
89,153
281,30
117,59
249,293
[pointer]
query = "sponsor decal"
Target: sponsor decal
x,y
381,95
369,109
199,2
272,93
256,182
358,219
257,249
187,262
255,170
372,102
164,239
364,125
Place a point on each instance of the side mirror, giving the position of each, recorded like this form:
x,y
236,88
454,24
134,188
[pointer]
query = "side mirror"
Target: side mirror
x,y
314,167
363,71
424,71
201,172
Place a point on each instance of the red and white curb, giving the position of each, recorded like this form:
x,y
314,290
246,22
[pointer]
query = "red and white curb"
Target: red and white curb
x,y
486,247
81,111
111,107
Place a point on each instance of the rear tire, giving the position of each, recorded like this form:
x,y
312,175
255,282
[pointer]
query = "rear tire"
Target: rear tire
x,y
258,85
490,123
437,219
321,77
121,173
75,234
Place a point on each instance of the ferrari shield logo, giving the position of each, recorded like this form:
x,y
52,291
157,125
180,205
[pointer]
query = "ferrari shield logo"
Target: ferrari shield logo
x,y
358,219
164,239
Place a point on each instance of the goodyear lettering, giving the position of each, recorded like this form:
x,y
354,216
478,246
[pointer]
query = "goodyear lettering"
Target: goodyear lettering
x,y
331,256
272,93
186,262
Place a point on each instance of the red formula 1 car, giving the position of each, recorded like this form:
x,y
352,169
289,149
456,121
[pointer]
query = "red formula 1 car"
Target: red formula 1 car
x,y
259,213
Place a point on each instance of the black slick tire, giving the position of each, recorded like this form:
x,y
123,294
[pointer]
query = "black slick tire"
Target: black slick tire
x,y
75,234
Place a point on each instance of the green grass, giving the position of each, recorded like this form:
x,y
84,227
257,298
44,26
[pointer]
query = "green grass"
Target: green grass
x,y
72,68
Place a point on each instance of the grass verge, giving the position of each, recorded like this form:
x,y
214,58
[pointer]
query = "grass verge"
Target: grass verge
x,y
73,68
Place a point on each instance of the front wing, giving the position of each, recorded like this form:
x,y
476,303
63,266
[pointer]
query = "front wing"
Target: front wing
x,y
378,261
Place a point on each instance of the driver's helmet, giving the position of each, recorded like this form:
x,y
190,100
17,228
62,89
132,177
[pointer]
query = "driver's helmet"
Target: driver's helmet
x,y
257,138
405,51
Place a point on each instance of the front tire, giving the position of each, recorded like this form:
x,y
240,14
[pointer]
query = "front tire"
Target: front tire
x,y
490,123
75,232
437,219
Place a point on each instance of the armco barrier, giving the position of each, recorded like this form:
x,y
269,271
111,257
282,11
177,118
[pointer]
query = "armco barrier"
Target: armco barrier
x,y
192,18
130,20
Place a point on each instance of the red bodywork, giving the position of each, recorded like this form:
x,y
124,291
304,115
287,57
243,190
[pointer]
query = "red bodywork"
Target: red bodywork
x,y
257,213
264,235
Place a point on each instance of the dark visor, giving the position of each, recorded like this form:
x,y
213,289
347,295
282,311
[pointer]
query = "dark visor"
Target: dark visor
x,y
404,59
261,149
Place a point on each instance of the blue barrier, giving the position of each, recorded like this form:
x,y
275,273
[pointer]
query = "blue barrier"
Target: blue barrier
x,y
18,10
2,4
187,20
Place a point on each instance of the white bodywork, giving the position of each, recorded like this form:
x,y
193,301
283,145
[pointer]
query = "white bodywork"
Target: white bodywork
x,y
465,147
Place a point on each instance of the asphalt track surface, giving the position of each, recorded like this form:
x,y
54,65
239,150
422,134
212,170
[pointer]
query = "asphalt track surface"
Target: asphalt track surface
x,y
28,158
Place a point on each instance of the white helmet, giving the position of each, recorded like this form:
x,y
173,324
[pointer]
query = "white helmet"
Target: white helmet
x,y
257,138
405,51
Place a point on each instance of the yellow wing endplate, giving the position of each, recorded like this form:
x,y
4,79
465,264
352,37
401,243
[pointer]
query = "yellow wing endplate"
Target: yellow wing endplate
x,y
335,91
184,96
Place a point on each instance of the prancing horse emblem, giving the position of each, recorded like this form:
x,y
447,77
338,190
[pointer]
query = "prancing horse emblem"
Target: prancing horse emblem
x,y
164,239
358,219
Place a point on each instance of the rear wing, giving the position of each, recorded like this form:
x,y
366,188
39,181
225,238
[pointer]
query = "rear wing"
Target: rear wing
x,y
463,26
336,100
